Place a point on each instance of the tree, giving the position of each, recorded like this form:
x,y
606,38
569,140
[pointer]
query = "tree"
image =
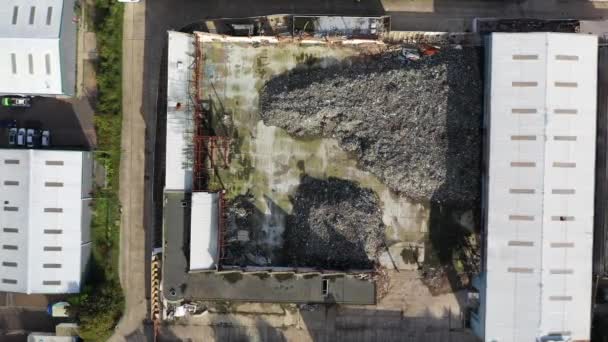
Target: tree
x,y
97,309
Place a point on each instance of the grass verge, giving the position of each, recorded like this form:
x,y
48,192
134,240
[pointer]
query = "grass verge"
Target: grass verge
x,y
100,304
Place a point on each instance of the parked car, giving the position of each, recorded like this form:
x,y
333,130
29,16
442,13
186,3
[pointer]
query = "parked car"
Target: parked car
x,y
12,136
16,101
21,137
30,137
46,138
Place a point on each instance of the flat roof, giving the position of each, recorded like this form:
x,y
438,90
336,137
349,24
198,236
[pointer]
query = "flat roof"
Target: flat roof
x,y
280,288
175,265
541,124
179,142
204,225
45,200
31,18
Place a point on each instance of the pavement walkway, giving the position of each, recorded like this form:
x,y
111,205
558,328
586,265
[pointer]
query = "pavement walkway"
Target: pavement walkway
x,y
133,261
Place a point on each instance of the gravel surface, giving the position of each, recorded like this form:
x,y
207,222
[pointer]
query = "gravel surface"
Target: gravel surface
x,y
243,215
414,124
335,224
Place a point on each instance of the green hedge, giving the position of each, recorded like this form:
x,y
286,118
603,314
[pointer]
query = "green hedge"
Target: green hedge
x,y
101,303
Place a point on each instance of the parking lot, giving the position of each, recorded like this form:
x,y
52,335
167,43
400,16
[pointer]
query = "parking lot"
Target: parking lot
x,y
70,122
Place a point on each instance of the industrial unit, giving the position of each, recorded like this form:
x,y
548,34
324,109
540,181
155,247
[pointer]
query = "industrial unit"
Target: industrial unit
x,y
45,220
540,124
180,140
38,40
186,213
194,216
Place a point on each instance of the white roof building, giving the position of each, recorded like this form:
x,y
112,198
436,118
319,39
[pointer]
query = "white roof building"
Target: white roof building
x,y
45,220
179,143
38,55
204,231
46,337
539,188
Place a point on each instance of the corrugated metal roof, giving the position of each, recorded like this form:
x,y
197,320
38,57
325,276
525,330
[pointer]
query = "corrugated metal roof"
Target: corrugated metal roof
x,y
43,192
541,188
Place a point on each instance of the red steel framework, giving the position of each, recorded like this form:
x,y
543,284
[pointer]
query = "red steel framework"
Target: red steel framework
x,y
207,148
222,222
197,168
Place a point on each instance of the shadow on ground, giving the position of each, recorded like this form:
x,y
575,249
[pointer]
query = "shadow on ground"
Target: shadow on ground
x,y
23,319
70,122
452,253
334,224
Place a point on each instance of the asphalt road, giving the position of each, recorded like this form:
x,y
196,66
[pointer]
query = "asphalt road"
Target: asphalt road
x,y
144,41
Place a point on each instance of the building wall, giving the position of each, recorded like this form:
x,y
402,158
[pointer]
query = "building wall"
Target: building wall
x,y
87,188
87,174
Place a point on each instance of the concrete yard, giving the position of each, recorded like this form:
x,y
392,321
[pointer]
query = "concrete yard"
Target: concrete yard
x,y
267,163
410,313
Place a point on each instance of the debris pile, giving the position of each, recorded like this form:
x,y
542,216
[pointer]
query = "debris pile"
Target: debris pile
x,y
383,283
335,224
245,234
414,124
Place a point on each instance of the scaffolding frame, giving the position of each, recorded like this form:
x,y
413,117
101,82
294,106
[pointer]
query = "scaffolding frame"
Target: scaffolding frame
x,y
207,147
